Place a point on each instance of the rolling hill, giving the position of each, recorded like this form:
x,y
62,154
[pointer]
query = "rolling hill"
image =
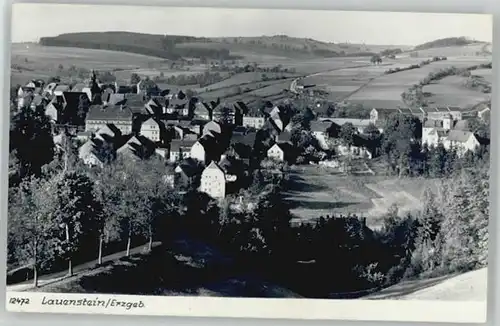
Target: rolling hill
x,y
175,47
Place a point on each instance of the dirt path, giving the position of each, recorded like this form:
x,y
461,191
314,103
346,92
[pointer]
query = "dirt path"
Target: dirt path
x,y
55,277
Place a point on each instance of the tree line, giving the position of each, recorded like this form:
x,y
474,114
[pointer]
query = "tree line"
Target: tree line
x,y
414,66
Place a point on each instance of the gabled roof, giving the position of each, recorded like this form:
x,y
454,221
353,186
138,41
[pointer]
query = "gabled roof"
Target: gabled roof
x,y
459,135
189,166
213,166
212,127
181,144
433,124
245,139
109,112
72,99
150,122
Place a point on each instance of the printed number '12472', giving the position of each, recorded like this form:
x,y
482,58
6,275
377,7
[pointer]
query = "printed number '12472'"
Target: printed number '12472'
x,y
19,301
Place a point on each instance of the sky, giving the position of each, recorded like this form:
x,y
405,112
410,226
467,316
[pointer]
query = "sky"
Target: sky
x,y
383,28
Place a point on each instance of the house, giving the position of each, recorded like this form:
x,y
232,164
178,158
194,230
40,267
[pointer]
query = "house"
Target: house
x,y
319,130
64,108
362,148
179,104
359,124
151,129
203,111
276,153
136,148
90,153
186,172
180,149
483,111
60,89
84,136
213,181
109,133
256,122
49,89
212,128
102,115
435,131
381,114
461,140
162,152
242,144
169,176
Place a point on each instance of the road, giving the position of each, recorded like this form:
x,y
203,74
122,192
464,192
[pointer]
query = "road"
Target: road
x,y
54,277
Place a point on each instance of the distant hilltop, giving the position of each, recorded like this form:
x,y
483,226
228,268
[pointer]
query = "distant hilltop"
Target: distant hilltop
x,y
446,42
175,47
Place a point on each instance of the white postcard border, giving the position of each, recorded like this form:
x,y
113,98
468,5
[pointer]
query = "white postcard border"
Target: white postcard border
x,y
304,309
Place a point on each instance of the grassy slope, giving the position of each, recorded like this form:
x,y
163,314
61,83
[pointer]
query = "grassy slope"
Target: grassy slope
x,y
470,286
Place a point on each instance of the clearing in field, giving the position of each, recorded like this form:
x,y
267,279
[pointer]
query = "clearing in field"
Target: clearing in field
x,y
315,192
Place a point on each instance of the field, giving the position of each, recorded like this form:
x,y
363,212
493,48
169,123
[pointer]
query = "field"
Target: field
x,y
487,74
471,50
315,191
385,90
451,91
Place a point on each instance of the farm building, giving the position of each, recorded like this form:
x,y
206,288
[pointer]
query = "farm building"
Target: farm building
x,y
451,133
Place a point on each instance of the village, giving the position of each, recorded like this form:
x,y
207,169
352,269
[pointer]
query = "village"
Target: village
x,y
215,141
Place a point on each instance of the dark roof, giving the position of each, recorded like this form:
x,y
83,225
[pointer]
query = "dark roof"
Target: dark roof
x,y
73,98
109,112
190,167
176,144
433,124
284,137
245,139
459,135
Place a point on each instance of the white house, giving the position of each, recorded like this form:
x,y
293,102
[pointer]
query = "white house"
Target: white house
x,y
319,131
213,181
180,149
461,140
276,153
198,151
151,129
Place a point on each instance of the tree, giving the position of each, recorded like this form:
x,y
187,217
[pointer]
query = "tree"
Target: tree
x,y
401,133
75,214
134,78
376,59
372,131
31,207
31,129
348,133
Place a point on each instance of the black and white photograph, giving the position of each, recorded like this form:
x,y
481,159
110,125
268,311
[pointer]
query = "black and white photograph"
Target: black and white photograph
x,y
299,155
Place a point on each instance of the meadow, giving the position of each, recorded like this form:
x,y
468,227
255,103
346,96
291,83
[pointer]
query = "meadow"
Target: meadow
x,y
451,91
316,191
